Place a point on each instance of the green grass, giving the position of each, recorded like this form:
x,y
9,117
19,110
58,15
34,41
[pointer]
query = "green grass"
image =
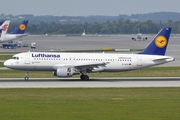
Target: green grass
x,y
12,53
5,57
147,72
90,104
1,64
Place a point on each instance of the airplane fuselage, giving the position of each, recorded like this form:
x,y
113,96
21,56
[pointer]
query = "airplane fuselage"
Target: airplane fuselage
x,y
114,62
10,37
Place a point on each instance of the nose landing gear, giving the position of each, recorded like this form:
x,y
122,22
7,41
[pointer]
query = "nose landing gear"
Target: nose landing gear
x,y
27,75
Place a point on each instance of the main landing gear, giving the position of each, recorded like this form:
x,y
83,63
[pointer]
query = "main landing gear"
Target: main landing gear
x,y
27,75
84,76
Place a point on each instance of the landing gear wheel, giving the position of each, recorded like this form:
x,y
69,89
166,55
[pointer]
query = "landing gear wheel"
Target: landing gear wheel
x,y
26,78
81,77
84,77
27,74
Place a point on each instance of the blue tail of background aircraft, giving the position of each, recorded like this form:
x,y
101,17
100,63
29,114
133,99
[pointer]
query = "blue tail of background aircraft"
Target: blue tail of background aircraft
x,y
0,32
159,43
1,22
21,28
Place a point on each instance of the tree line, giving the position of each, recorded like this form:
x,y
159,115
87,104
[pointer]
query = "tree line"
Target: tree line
x,y
120,27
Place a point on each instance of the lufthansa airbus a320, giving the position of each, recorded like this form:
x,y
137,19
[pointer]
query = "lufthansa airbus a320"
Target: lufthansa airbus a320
x,y
69,64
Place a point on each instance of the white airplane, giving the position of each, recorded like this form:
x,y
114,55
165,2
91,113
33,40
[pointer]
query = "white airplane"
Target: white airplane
x,y
69,64
139,36
17,33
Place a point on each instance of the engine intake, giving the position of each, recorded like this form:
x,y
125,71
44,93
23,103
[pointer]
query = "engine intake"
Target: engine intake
x,y
63,72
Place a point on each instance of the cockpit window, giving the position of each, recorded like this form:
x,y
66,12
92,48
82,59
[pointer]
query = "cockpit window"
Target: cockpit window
x,y
15,58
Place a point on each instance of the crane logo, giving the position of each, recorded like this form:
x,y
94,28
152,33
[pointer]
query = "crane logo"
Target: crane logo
x,y
22,27
161,41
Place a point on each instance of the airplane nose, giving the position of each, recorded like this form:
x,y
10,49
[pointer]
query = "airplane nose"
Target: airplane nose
x,y
7,63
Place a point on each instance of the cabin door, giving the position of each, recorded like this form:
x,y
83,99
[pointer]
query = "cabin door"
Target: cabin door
x,y
139,60
27,59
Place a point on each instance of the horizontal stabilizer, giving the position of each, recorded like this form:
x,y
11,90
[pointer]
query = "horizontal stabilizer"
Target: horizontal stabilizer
x,y
164,58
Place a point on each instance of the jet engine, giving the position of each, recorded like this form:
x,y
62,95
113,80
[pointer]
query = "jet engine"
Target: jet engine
x,y
63,72
133,38
145,38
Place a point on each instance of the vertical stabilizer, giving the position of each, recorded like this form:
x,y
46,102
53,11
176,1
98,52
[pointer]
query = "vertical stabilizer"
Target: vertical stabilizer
x,y
5,26
159,43
21,28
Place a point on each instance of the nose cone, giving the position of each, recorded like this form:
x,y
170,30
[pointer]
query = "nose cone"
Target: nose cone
x,y
7,63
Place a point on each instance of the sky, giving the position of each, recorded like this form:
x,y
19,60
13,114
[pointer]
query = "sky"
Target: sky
x,y
87,7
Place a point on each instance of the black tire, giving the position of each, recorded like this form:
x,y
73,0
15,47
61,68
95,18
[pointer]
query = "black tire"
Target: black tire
x,y
84,77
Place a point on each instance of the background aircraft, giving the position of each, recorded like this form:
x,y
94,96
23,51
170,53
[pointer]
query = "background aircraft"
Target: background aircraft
x,y
139,36
1,22
69,64
4,26
17,33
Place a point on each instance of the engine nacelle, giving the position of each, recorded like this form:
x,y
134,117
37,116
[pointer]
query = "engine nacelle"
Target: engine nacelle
x,y
145,38
133,38
63,72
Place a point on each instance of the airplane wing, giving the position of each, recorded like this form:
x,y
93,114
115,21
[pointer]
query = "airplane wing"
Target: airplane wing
x,y
91,67
84,66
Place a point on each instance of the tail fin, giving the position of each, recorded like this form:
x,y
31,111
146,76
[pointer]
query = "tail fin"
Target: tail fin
x,y
1,23
21,28
159,43
5,26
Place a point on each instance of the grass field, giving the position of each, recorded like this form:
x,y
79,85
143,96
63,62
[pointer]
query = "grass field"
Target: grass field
x,y
5,57
90,104
147,72
1,64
